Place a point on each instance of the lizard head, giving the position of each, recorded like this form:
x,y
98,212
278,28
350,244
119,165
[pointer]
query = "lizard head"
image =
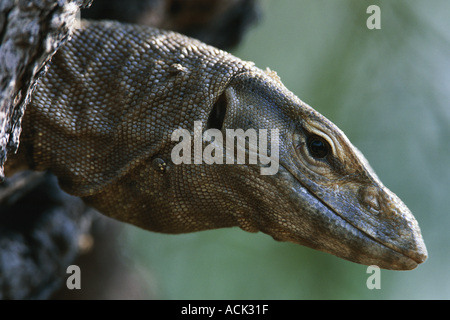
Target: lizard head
x,y
324,194
107,134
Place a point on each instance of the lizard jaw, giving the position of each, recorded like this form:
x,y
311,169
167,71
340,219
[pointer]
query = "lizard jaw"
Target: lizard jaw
x,y
321,227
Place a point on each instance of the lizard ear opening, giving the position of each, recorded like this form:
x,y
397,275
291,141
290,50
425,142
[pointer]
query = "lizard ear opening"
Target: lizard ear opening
x,y
217,115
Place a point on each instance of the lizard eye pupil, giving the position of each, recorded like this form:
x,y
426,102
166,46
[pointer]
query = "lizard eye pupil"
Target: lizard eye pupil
x,y
318,147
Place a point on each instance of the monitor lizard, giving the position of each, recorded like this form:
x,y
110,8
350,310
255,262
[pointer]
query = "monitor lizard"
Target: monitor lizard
x,y
102,119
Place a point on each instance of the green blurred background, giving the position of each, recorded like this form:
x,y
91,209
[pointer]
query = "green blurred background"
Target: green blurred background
x,y
389,91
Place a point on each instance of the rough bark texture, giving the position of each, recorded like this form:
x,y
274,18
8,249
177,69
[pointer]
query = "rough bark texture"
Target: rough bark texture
x,y
40,236
39,225
30,33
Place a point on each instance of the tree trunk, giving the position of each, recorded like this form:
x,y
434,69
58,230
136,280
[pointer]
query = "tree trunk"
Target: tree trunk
x,y
30,33
37,238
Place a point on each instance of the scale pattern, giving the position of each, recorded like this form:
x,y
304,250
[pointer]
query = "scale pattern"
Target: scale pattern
x,y
102,118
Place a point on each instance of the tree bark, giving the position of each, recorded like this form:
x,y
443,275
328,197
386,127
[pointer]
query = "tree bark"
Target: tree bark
x,y
39,231
30,33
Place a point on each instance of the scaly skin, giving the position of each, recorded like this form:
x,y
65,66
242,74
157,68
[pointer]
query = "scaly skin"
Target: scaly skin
x,y
102,119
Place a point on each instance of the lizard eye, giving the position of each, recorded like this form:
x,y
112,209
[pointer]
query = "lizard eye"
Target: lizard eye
x,y
314,151
318,147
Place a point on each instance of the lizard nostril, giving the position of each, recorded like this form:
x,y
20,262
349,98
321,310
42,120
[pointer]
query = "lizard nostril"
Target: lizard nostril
x,y
369,198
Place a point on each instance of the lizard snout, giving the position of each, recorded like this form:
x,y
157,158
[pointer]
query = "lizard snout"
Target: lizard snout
x,y
401,232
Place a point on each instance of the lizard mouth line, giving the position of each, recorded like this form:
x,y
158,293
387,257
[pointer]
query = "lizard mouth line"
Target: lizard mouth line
x,y
411,259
